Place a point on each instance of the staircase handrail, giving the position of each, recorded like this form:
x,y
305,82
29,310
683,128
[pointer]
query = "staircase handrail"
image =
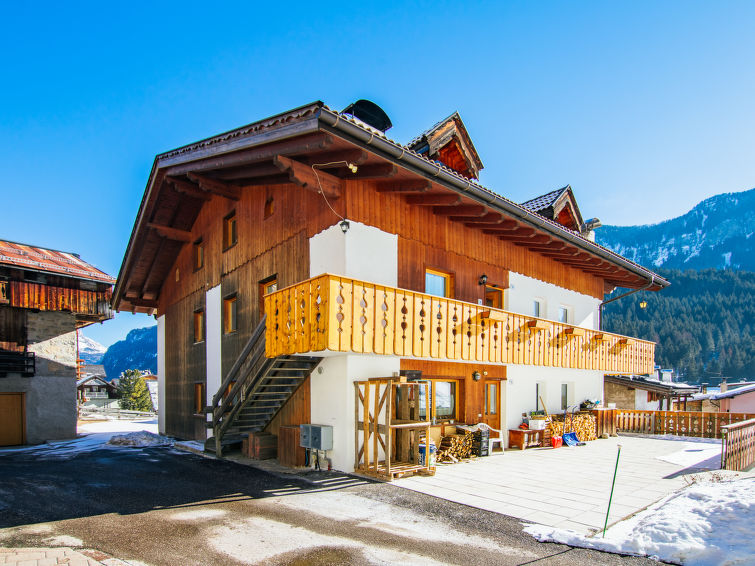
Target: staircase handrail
x,y
260,330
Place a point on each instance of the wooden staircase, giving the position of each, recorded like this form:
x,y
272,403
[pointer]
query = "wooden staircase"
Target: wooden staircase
x,y
254,391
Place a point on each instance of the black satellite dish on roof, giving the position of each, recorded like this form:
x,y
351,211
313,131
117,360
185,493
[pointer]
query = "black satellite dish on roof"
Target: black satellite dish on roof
x,y
369,113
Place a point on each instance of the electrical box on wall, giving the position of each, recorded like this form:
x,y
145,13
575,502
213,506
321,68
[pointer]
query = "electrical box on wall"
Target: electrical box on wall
x,y
316,437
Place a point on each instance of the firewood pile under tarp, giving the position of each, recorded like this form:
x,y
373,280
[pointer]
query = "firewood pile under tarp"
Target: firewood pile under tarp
x,y
581,423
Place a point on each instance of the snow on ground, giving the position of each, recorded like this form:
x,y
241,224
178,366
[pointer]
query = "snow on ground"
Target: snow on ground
x,y
345,506
256,540
140,439
94,435
708,523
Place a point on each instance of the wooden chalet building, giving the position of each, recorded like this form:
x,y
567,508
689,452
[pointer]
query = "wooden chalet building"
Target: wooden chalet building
x,y
45,297
289,258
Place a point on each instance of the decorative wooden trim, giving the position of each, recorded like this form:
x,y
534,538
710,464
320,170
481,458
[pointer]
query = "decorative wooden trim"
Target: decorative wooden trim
x,y
574,332
493,315
304,176
536,325
626,341
601,337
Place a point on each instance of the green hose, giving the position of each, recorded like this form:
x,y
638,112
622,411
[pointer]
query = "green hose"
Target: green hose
x,y
605,526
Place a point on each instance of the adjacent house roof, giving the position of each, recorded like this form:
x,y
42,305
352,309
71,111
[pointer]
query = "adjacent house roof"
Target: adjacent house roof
x,y
654,385
733,392
34,258
97,380
277,150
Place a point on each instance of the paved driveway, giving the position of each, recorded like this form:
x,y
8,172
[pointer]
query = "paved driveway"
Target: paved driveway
x,y
155,506
568,487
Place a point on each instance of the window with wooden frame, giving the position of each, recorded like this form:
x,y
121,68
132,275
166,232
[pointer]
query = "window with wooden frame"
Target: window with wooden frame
x,y
198,254
444,400
439,283
230,231
199,398
230,319
267,286
198,326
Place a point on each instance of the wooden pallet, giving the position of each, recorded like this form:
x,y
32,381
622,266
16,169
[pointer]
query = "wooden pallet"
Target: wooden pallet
x,y
397,470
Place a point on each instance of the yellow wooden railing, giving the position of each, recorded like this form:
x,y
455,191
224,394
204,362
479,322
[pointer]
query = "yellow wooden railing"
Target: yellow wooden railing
x,y
340,314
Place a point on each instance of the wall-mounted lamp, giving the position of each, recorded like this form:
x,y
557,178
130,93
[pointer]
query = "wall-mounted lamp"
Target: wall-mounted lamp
x,y
476,375
483,279
344,224
643,304
353,168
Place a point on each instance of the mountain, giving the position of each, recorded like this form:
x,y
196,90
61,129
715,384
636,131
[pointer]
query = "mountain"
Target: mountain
x,y
137,351
90,351
704,323
717,233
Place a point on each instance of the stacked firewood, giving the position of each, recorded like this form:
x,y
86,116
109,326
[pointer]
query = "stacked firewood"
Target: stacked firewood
x,y
455,447
583,424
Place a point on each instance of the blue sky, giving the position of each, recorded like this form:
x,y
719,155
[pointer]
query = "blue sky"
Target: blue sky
x,y
645,108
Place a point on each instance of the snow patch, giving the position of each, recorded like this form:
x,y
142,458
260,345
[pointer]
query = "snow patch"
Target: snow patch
x,y
198,515
257,540
63,540
704,524
140,439
695,455
727,259
342,506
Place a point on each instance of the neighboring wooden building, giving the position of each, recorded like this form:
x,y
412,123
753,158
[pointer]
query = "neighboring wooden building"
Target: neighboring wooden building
x,y
368,258
45,296
95,391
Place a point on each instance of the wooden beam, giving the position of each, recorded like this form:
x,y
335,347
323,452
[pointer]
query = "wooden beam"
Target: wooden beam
x,y
304,144
188,189
489,219
143,303
464,210
404,186
434,199
304,176
258,170
355,156
518,233
171,233
536,239
216,187
267,180
376,171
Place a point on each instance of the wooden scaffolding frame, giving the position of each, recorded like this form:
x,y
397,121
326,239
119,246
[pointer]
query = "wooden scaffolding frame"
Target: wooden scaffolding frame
x,y
395,402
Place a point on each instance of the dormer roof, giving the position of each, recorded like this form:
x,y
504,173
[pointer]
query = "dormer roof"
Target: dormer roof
x,y
448,142
559,206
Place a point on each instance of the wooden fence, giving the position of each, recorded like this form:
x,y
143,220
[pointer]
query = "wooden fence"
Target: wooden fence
x,y
681,423
738,445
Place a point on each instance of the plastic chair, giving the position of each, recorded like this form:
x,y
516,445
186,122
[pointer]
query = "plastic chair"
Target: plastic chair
x,y
492,440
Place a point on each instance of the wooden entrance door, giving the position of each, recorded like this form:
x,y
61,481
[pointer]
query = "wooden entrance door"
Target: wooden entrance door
x,y
491,414
12,419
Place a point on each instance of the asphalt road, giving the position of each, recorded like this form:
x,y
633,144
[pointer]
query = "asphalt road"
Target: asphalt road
x,y
157,506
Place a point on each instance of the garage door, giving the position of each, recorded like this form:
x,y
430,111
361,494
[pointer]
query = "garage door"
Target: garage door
x,y
11,419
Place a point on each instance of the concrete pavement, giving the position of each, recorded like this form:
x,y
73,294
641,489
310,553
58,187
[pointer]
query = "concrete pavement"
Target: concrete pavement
x,y
55,557
568,487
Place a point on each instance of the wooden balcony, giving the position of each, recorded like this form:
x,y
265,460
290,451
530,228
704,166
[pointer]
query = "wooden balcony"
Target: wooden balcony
x,y
340,314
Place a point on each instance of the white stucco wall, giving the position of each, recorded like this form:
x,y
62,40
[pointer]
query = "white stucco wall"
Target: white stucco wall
x,y
161,371
523,290
364,253
214,334
332,398
520,391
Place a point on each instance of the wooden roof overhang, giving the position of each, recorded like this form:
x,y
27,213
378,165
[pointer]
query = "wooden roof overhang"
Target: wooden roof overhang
x,y
282,150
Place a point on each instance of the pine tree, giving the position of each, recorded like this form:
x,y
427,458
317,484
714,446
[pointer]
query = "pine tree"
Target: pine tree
x,y
133,391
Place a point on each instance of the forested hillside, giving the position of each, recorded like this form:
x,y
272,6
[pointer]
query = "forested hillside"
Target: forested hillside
x,y
704,323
